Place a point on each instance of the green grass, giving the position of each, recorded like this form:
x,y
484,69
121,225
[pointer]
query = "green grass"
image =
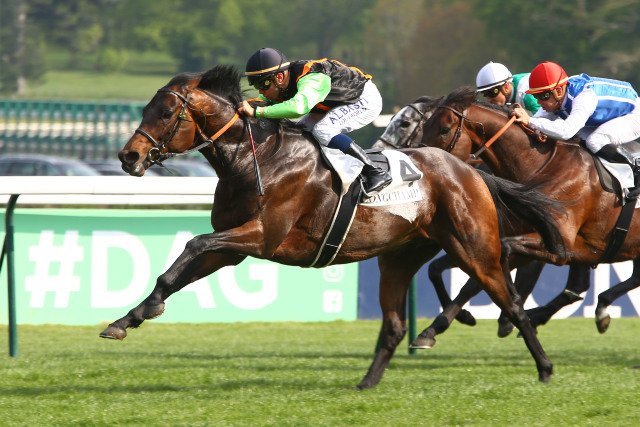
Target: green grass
x,y
82,85
303,374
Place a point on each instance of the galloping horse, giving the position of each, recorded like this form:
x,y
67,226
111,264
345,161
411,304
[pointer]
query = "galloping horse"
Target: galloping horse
x,y
287,224
563,170
404,130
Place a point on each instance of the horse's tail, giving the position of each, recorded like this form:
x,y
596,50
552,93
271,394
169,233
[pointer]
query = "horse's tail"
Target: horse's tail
x,y
531,206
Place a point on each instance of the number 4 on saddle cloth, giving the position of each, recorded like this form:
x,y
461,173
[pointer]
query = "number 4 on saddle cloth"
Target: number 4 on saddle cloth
x,y
400,197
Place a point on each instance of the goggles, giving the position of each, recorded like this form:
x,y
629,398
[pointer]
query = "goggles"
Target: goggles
x,y
542,96
263,85
491,93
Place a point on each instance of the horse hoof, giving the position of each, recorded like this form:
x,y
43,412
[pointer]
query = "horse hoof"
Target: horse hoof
x,y
113,333
422,343
504,329
544,378
602,323
466,318
151,312
545,375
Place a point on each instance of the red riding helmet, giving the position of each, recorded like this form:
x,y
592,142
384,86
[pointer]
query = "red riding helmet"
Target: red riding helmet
x,y
546,76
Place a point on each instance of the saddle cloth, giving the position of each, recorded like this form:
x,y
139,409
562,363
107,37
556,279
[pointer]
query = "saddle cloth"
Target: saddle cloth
x,y
402,189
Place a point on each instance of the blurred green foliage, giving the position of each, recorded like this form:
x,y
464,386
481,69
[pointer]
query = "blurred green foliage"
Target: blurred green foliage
x,y
412,48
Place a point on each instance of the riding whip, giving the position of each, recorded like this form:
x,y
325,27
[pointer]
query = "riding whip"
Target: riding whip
x,y
255,158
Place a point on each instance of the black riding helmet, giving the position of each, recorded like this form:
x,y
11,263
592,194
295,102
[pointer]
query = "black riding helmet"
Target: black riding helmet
x,y
264,63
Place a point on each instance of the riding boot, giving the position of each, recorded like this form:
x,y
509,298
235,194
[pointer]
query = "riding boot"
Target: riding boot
x,y
376,178
616,154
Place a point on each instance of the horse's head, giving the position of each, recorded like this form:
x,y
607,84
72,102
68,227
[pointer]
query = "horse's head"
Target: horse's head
x,y
192,107
405,128
444,129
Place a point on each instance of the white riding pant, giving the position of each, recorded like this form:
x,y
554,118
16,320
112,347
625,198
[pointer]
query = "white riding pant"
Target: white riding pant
x,y
345,118
616,131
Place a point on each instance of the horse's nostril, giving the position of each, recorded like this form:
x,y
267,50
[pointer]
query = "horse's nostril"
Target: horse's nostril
x,y
128,157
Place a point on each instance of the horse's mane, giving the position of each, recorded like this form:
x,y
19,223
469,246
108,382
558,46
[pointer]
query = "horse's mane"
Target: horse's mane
x,y
222,80
461,97
429,100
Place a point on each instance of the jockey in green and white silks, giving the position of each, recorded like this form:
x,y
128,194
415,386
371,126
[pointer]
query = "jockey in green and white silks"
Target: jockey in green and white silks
x,y
519,93
330,98
496,83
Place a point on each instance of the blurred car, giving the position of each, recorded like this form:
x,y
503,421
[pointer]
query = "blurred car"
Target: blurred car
x,y
183,167
112,167
40,164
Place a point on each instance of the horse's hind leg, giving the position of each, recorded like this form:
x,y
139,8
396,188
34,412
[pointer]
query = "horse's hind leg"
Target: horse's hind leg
x,y
168,283
435,271
491,270
577,283
610,295
526,277
511,304
396,270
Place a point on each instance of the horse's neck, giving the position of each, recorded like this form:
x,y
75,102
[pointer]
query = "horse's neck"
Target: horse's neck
x,y
515,156
233,156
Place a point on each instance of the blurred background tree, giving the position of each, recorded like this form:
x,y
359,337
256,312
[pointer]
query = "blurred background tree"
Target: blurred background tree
x,y
412,48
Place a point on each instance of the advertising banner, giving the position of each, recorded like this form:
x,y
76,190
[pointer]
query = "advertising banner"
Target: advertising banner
x,y
551,282
86,266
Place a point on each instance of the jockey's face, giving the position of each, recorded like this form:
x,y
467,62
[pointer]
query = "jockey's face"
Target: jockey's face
x,y
498,95
551,101
278,82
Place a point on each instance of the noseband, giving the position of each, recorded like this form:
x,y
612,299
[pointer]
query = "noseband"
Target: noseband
x,y
155,154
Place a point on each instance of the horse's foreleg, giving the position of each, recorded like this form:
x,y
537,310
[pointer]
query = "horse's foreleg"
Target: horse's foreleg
x,y
153,305
435,271
427,338
396,270
610,295
200,258
577,283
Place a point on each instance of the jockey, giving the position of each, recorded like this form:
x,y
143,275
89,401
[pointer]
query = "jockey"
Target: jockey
x,y
496,83
330,97
603,112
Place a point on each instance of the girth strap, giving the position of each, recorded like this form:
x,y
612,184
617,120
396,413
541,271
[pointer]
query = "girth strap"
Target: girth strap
x,y
620,230
340,225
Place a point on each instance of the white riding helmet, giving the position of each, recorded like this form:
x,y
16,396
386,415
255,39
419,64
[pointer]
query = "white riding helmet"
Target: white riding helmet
x,y
491,75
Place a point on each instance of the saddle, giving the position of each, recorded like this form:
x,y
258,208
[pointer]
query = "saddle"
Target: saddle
x,y
631,150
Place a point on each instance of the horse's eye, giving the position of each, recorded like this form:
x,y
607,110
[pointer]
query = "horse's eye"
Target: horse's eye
x,y
444,131
166,113
405,124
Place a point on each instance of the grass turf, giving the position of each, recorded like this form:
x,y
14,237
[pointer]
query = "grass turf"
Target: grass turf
x,y
304,374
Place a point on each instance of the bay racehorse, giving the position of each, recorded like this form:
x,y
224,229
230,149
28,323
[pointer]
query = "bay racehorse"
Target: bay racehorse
x,y
287,224
405,129
561,169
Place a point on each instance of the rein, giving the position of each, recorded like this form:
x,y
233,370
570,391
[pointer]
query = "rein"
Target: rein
x,y
155,154
490,141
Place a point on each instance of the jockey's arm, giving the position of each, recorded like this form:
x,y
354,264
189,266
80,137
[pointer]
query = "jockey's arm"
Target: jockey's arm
x,y
312,89
583,107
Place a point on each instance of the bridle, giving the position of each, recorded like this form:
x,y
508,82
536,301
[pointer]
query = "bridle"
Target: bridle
x,y
398,145
487,143
456,136
156,155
